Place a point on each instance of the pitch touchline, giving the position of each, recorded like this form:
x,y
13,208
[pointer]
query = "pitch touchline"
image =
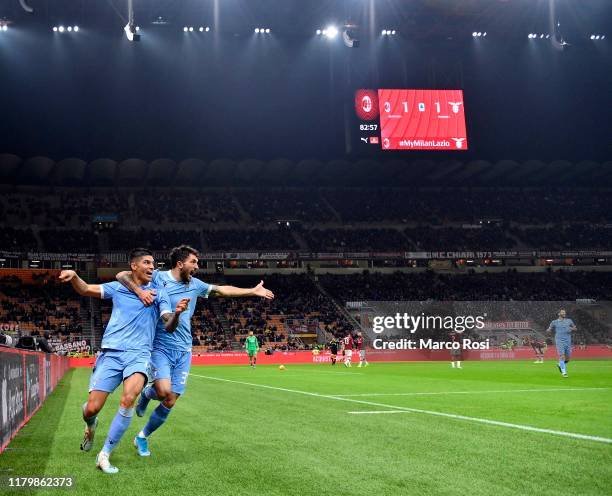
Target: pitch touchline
x,y
469,392
416,410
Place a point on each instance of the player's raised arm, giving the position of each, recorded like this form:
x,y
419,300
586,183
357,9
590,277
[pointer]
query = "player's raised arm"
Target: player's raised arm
x,y
233,292
171,319
79,285
147,296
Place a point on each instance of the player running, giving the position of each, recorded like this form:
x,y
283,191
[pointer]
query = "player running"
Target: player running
x,y
538,346
347,345
359,345
171,357
251,345
126,348
563,328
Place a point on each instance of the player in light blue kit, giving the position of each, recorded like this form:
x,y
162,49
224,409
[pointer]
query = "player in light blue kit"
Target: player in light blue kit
x,y
171,357
563,328
126,348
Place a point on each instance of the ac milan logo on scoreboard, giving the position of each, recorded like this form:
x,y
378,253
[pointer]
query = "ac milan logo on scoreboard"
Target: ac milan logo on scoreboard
x,y
366,104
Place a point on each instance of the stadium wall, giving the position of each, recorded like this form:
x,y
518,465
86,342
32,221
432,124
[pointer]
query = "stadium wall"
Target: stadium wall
x,y
285,357
26,379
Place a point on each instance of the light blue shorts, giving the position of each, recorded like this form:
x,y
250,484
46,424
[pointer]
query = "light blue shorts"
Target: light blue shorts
x,y
173,365
113,367
564,347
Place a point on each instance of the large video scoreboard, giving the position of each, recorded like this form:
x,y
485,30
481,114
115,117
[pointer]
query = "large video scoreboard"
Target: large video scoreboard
x,y
401,119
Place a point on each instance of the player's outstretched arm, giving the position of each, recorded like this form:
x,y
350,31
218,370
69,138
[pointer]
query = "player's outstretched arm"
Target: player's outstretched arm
x,y
232,291
79,285
147,296
171,319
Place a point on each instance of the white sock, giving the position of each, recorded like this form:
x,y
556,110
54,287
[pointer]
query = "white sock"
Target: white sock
x,y
142,434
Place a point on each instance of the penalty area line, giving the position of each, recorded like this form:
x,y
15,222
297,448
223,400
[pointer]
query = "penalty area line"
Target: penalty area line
x,y
401,409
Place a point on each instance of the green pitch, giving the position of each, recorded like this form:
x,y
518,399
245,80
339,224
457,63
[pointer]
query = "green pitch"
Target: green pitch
x,y
236,437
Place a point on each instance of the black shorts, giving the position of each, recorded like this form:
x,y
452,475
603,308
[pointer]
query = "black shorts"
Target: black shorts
x,y
456,354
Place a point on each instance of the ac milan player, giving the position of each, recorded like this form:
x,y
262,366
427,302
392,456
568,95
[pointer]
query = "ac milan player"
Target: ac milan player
x,y
361,350
347,345
538,348
456,353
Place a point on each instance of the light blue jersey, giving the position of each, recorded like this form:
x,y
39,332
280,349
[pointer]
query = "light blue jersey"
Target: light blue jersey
x,y
132,325
180,339
561,327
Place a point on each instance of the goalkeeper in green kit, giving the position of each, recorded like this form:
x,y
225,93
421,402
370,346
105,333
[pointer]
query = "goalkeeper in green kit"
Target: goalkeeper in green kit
x,y
251,345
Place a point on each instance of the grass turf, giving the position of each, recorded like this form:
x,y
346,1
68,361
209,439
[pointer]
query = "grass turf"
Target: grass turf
x,y
240,439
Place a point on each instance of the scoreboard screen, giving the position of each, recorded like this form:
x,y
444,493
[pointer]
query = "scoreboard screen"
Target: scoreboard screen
x,y
400,119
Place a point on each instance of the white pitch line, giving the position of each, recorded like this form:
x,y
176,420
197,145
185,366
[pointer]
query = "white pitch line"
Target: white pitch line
x,y
415,410
435,393
379,411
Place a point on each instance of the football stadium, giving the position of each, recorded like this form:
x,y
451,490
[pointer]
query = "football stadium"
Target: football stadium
x,y
306,247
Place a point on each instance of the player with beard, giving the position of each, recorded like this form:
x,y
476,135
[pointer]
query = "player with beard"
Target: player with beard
x,y
171,357
126,348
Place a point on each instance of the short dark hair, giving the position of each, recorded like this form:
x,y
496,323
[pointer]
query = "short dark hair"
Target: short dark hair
x,y
181,253
139,252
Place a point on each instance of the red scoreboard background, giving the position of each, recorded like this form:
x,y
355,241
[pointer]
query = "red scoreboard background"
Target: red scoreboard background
x,y
415,119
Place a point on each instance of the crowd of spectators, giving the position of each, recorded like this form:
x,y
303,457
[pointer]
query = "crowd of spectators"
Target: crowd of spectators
x,y
17,240
566,237
436,206
185,207
42,305
269,206
219,324
249,240
154,239
333,240
341,219
69,240
456,238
